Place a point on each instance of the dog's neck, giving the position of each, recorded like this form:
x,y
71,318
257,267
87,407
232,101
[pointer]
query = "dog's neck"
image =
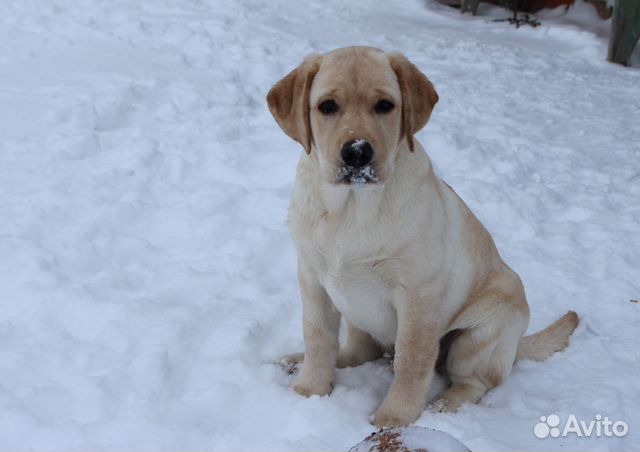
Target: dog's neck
x,y
363,201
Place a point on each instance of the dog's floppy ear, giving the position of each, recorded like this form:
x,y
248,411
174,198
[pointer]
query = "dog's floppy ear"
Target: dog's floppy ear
x,y
418,95
289,101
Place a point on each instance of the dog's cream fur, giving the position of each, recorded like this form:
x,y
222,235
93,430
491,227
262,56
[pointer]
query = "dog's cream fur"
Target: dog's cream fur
x,y
402,259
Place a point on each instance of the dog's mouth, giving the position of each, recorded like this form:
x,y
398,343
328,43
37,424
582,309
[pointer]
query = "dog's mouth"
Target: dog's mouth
x,y
356,176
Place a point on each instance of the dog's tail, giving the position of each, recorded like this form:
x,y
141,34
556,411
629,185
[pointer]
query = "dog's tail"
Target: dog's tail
x,y
555,337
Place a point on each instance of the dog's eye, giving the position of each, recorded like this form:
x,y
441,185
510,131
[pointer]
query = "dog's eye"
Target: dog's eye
x,y
328,107
384,106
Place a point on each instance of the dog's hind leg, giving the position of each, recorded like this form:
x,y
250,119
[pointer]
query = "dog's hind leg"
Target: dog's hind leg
x,y
358,349
483,355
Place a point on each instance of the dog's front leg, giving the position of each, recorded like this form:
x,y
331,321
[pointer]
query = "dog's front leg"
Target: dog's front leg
x,y
321,324
416,351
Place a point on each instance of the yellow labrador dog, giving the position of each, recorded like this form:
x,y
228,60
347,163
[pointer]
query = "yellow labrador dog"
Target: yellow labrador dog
x,y
384,242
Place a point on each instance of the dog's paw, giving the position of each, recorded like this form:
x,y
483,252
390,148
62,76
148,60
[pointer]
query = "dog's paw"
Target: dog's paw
x,y
454,397
392,414
290,363
293,358
398,410
309,389
383,419
438,406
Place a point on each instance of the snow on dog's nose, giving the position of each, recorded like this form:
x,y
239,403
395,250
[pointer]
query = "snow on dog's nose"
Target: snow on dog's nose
x,y
357,169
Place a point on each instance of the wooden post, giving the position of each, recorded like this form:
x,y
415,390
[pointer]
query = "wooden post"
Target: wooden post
x,y
625,31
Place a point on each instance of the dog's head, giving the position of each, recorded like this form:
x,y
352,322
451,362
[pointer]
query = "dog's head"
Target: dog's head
x,y
353,107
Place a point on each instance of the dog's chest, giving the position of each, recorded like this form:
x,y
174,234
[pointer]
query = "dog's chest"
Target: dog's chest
x,y
361,288
351,253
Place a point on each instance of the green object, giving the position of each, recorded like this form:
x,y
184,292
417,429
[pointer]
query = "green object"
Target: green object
x,y
625,31
469,6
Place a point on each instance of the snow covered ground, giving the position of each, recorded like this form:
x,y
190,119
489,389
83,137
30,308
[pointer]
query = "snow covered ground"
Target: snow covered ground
x,y
147,279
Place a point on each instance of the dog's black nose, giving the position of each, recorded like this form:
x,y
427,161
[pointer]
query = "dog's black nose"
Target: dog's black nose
x,y
357,153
